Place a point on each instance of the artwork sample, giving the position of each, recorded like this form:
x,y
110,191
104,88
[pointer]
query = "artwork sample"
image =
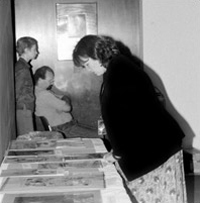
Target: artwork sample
x,y
31,159
41,135
65,197
50,152
52,168
78,181
51,144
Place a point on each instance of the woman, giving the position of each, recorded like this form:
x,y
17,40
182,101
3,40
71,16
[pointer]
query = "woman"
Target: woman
x,y
146,140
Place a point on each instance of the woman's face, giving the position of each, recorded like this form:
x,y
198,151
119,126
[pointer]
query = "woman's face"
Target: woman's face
x,y
93,66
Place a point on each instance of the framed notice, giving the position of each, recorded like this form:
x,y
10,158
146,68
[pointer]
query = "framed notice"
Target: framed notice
x,y
73,22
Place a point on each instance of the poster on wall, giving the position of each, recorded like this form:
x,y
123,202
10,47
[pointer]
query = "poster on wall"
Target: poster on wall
x,y
73,22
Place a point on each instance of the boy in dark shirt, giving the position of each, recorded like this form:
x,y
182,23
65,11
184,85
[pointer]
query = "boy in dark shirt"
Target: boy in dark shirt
x,y
27,49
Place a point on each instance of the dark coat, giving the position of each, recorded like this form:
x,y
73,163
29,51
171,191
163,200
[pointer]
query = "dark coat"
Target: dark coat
x,y
139,128
24,86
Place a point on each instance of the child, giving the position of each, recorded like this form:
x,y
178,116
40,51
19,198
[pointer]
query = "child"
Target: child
x,y
27,49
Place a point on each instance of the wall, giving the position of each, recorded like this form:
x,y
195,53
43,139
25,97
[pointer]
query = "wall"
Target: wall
x,y
117,18
7,115
171,49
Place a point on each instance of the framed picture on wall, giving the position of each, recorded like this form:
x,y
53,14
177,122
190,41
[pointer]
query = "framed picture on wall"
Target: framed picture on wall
x,y
73,21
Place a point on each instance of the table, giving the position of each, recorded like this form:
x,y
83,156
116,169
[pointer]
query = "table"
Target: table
x,y
113,192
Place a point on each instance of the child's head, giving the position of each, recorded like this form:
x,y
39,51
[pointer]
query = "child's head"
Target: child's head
x,y
27,44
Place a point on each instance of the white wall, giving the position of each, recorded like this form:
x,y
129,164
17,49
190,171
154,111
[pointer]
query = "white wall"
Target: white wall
x,y
171,48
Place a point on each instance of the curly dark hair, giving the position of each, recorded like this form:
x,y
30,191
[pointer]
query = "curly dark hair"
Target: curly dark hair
x,y
97,47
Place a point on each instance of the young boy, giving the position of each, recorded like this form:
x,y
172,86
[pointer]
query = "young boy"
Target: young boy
x,y
27,49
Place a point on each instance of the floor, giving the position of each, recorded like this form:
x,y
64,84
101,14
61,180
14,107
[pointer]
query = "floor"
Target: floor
x,y
193,188
192,181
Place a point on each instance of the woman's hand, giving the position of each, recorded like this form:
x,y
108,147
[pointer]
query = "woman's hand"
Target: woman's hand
x,y
109,157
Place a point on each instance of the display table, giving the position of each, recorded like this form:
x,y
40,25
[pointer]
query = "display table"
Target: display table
x,y
59,170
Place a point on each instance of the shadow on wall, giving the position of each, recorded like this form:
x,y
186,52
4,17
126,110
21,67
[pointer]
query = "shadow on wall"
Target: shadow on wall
x,y
189,133
163,96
